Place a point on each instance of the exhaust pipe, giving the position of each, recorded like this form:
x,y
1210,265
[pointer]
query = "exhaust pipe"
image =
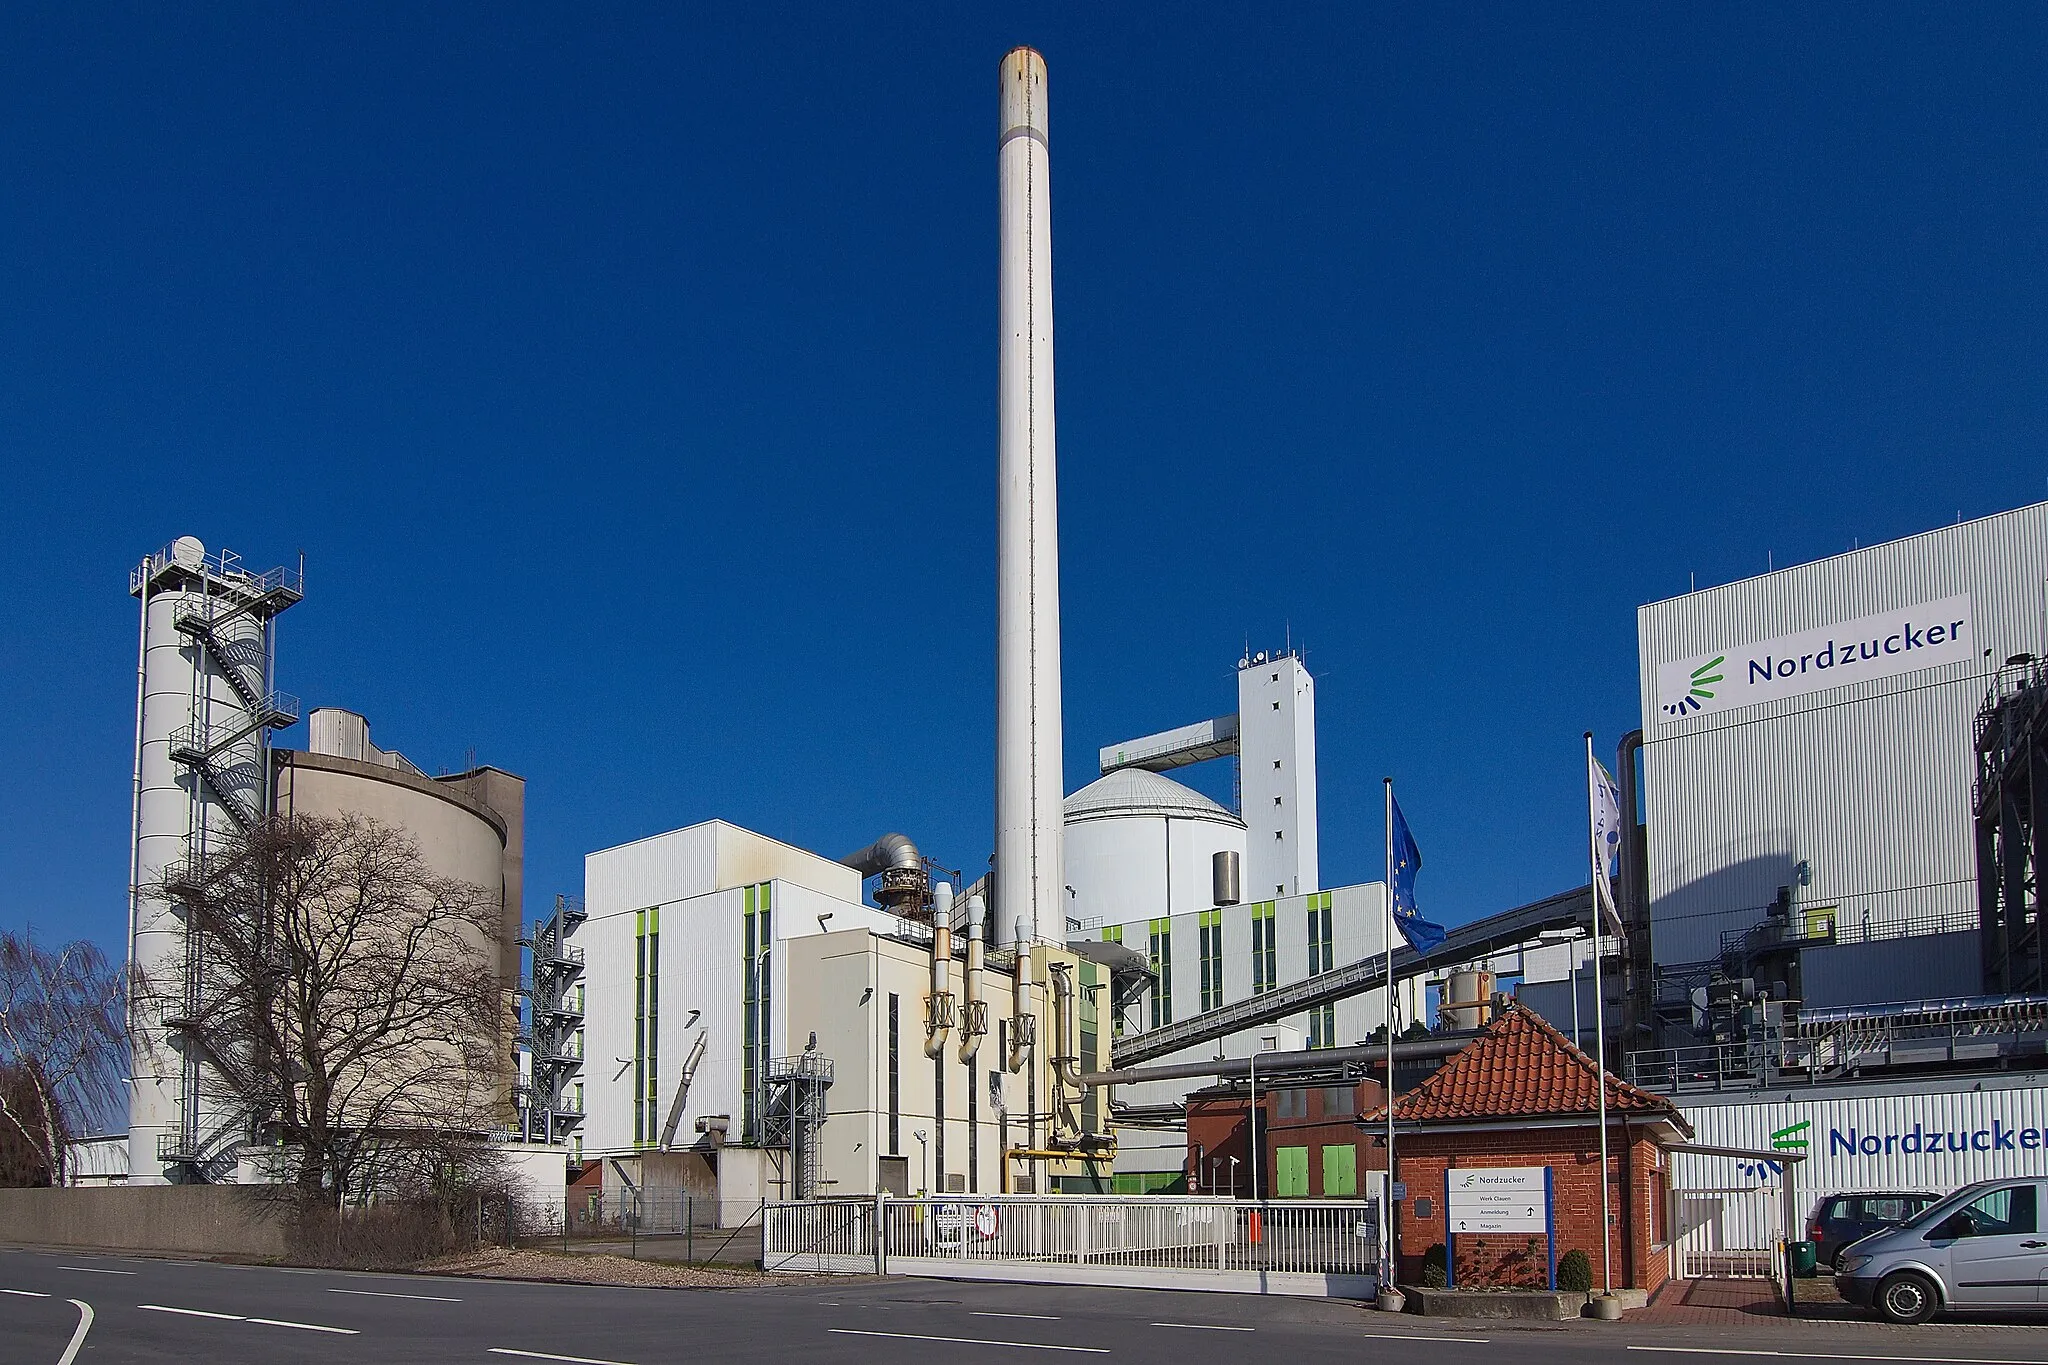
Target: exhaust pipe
x,y
1023,1024
939,1014
974,1022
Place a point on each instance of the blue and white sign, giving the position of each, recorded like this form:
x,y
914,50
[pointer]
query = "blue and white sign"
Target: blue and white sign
x,y
1882,645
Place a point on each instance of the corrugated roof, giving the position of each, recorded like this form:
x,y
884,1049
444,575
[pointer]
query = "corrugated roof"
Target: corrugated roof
x,y
1136,791
1521,1067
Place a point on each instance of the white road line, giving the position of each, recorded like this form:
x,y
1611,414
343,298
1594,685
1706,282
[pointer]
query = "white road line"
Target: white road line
x,y
1204,1327
1417,1336
260,1322
381,1294
543,1355
304,1326
1827,1355
26,1293
78,1337
1035,1317
970,1341
95,1270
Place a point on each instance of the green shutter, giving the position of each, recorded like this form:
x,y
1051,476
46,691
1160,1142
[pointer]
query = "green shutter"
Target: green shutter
x,y
1340,1171
1290,1172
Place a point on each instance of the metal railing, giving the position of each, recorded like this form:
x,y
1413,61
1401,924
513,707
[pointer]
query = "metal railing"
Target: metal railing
x,y
1294,1246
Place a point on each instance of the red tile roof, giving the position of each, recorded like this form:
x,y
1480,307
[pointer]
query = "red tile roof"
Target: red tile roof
x,y
1521,1067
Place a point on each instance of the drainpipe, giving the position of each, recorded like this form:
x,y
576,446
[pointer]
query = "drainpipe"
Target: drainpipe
x,y
1066,1025
974,1022
1023,1026
939,1016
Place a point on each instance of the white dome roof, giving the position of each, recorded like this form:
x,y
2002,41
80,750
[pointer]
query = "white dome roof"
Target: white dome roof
x,y
1136,791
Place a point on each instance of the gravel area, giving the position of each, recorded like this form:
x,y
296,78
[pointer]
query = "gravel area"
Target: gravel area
x,y
527,1264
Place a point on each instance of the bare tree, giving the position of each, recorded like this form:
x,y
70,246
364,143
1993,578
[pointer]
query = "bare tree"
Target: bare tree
x,y
61,1042
348,1003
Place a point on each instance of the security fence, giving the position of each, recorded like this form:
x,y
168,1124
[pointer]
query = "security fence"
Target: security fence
x,y
1319,1247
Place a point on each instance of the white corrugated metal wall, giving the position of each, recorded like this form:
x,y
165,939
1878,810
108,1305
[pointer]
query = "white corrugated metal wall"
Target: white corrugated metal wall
x,y
1870,784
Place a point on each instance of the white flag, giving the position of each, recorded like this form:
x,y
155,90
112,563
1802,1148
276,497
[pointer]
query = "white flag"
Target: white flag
x,y
1606,836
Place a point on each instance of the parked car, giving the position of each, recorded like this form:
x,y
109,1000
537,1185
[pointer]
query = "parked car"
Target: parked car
x,y
1852,1215
1981,1247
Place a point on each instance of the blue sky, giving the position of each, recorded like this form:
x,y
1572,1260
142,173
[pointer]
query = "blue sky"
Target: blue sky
x,y
628,381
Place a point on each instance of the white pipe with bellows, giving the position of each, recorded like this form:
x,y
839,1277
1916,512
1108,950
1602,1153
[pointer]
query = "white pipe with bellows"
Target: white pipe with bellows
x,y
939,1016
974,1018
1023,1023
1066,1027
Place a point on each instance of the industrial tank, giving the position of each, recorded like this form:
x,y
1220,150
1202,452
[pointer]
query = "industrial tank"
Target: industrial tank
x,y
1142,846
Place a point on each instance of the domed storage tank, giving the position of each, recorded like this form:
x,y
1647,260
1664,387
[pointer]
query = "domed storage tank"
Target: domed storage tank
x,y
1141,846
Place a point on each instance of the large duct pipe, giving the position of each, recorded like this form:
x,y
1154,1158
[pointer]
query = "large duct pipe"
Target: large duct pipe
x,y
1023,1023
973,1019
889,851
1066,1027
1278,1063
939,1018
1030,784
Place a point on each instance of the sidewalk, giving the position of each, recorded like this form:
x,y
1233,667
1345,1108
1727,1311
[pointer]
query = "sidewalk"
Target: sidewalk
x,y
1712,1302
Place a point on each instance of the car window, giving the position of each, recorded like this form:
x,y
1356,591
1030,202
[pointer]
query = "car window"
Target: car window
x,y
1837,1207
1888,1208
2004,1212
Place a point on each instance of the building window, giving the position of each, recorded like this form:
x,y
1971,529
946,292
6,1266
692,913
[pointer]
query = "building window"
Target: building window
x,y
1265,954
756,1035
1278,835
1276,765
1321,951
1212,959
1160,951
895,1072
646,1022
1322,1025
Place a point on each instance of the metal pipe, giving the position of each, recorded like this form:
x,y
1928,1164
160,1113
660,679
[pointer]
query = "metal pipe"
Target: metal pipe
x,y
1023,1025
1066,1056
974,1022
1308,1059
889,851
940,1017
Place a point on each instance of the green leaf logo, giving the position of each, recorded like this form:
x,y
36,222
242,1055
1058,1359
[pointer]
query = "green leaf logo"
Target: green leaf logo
x,y
1698,689
1789,1138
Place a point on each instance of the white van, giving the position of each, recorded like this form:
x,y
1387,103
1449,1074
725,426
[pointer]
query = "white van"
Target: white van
x,y
1983,1247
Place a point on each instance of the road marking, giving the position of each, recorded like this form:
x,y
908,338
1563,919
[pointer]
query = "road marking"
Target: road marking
x,y
1035,1317
1417,1336
78,1337
381,1294
1205,1327
970,1341
26,1293
1827,1355
95,1270
260,1322
543,1355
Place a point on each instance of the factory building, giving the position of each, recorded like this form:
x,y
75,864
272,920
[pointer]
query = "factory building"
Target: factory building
x,y
1810,760
206,771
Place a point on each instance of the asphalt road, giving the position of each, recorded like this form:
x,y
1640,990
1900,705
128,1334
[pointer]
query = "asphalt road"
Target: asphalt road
x,y
157,1310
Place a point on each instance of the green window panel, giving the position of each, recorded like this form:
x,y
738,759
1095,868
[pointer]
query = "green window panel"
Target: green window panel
x,y
1340,1170
1290,1172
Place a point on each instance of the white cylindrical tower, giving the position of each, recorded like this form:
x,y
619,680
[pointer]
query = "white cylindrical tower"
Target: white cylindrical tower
x,y
1029,776
203,714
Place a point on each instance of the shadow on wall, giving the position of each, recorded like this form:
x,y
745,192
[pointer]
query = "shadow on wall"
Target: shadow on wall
x,y
1691,912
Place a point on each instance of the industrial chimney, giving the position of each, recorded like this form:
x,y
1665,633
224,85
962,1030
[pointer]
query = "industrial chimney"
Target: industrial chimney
x,y
1030,786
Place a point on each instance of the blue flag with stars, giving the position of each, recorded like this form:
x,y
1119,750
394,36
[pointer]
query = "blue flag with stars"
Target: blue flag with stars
x,y
1422,935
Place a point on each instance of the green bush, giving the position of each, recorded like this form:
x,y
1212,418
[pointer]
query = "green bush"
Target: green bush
x,y
1575,1272
1435,1263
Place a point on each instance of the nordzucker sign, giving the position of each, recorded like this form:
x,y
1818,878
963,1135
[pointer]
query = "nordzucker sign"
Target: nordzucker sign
x,y
1883,645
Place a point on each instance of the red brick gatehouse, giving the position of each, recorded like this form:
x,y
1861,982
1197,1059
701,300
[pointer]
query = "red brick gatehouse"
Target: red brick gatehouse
x,y
1522,1095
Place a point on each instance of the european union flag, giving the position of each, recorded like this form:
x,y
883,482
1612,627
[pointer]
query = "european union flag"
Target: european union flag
x,y
1405,860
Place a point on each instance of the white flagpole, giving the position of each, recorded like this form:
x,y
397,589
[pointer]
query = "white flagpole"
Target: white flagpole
x,y
1593,853
1387,1250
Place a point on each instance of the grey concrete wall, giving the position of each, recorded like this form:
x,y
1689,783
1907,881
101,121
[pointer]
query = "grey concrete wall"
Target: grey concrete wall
x,y
221,1220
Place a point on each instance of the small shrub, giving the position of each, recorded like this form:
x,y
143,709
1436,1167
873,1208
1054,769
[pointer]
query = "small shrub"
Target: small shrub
x,y
1435,1267
1575,1272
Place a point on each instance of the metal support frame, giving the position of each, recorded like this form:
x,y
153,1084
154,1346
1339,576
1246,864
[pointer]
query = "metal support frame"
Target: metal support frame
x,y
553,1016
794,1112
2012,826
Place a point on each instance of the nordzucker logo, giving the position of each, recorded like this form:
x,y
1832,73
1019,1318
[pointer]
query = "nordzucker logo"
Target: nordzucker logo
x,y
1699,691
1791,1138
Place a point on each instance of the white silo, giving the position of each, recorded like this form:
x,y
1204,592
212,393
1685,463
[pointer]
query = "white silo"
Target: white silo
x,y
204,711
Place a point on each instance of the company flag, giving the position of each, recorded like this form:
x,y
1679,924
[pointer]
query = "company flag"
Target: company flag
x,y
1605,833
1406,860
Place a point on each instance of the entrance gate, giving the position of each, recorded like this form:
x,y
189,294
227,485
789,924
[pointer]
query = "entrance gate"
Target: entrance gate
x,y
1733,1232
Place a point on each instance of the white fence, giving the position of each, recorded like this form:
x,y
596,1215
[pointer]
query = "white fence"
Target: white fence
x,y
1731,1233
1321,1248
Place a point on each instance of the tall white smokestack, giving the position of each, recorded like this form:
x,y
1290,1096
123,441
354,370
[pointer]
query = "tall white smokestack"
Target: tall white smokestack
x,y
1030,783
